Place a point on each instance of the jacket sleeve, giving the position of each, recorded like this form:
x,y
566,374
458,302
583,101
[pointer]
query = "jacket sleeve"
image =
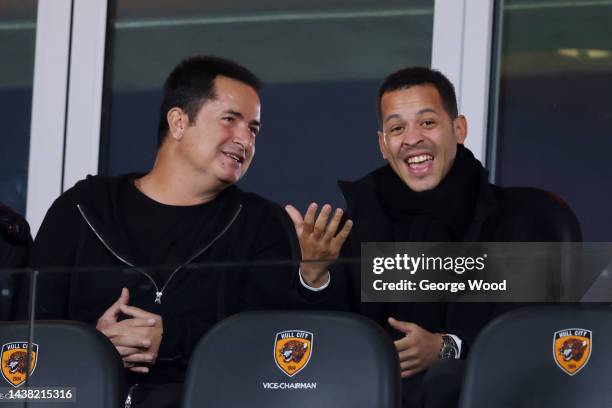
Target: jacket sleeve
x,y
181,335
53,255
273,276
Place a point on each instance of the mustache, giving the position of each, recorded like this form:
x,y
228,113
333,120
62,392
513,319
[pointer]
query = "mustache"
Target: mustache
x,y
408,151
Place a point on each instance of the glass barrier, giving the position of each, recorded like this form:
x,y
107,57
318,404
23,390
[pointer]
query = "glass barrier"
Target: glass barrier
x,y
569,272
154,317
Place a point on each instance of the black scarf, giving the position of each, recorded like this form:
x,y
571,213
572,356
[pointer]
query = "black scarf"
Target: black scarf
x,y
442,214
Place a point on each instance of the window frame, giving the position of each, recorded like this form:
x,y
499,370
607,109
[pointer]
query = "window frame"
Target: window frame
x,y
69,80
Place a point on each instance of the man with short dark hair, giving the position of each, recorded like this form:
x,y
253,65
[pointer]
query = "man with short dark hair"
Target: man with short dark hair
x,y
185,210
432,190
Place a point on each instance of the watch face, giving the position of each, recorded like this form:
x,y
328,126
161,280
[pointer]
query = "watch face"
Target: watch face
x,y
449,352
449,348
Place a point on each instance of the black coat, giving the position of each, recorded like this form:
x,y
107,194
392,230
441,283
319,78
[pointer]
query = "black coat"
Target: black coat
x,y
81,230
500,215
15,243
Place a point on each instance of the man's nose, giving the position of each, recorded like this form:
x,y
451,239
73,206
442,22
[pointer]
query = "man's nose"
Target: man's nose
x,y
412,136
243,136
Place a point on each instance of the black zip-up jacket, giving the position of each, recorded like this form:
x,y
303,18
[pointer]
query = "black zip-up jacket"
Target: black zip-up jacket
x,y
81,230
501,214
15,243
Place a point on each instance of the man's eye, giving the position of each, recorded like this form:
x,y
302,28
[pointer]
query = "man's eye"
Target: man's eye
x,y
396,130
228,119
254,131
428,123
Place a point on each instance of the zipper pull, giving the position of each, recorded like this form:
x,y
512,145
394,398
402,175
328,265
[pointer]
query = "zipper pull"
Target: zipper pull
x,y
158,296
128,399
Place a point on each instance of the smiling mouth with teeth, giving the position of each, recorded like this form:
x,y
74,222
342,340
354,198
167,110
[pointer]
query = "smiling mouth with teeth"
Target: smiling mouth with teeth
x,y
419,159
234,157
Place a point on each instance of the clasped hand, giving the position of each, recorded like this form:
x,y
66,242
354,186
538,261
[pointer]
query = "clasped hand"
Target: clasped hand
x,y
136,338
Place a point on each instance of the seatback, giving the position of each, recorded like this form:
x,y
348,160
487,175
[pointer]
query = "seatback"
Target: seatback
x,y
550,219
335,360
557,221
65,354
547,356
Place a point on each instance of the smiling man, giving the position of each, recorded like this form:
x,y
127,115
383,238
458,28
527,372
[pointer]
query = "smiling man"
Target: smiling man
x,y
432,190
185,210
420,134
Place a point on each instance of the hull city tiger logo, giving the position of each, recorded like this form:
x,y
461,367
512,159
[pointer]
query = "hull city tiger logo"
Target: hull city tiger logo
x,y
15,361
572,349
292,350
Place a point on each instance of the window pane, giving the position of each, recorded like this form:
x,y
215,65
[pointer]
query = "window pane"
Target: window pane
x,y
555,113
17,40
321,62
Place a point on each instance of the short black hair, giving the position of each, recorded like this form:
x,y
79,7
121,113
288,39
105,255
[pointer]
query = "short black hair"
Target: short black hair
x,y
190,85
412,76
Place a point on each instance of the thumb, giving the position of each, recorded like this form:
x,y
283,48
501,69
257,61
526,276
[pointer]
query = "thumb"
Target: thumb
x,y
124,298
399,325
295,215
113,311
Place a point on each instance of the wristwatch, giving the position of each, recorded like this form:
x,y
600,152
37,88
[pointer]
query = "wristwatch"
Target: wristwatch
x,y
449,349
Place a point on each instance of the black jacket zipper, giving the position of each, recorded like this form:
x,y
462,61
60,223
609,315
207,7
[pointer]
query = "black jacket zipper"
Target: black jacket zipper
x,y
159,292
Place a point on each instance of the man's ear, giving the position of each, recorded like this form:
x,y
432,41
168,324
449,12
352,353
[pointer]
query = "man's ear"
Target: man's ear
x,y
460,127
382,144
177,121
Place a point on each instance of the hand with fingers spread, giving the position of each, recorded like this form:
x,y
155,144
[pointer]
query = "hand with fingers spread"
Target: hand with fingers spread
x,y
318,240
137,339
418,349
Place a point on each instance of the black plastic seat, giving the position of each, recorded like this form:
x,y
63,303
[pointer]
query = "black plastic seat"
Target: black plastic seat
x,y
69,354
548,356
297,359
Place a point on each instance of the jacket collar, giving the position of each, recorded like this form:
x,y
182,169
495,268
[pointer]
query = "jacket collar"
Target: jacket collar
x,y
101,210
363,204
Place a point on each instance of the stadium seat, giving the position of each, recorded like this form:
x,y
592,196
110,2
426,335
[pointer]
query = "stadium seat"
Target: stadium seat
x,y
548,356
65,354
556,222
294,359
